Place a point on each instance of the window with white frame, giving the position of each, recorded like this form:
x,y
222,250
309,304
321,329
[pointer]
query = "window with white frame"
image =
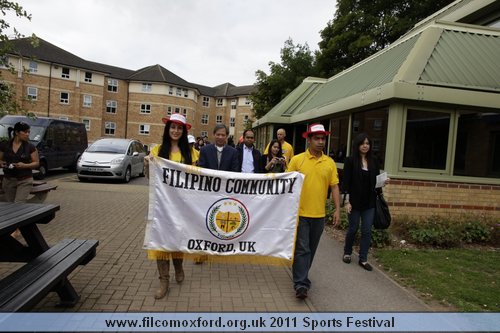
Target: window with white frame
x,y
32,93
65,73
88,77
233,104
204,134
232,122
177,110
218,119
206,101
64,98
109,128
145,108
112,85
147,87
204,119
185,91
178,92
247,101
144,129
87,124
170,90
33,67
220,102
111,106
184,111
169,110
87,101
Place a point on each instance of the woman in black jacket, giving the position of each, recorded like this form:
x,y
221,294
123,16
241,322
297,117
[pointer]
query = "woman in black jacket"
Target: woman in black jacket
x,y
360,172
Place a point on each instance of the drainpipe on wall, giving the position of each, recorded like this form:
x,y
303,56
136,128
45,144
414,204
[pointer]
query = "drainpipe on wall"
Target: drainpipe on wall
x,y
50,83
126,111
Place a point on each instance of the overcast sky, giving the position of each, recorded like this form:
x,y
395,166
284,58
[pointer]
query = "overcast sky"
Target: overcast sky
x,y
208,42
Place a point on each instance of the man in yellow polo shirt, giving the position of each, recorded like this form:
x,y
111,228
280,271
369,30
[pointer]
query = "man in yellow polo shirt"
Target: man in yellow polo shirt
x,y
286,148
320,173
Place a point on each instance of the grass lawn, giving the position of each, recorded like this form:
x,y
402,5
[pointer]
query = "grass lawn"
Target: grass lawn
x,y
467,279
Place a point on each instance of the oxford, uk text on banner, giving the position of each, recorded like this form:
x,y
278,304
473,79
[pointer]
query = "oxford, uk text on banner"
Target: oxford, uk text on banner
x,y
232,217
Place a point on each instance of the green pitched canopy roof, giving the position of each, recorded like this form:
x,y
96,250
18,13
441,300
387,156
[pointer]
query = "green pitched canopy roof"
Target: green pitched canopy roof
x,y
442,63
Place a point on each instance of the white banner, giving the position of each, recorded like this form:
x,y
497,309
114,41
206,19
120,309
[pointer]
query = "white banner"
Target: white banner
x,y
202,211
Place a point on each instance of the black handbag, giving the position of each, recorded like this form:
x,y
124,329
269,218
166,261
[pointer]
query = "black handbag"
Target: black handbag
x,y
382,214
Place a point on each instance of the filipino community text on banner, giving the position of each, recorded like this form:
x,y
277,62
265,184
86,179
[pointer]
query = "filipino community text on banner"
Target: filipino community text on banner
x,y
229,216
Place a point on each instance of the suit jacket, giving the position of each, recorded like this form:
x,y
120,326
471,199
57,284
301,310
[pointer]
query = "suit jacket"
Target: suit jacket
x,y
257,166
228,162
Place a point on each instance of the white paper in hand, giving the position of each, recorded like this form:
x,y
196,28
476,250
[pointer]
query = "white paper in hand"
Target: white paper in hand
x,y
381,179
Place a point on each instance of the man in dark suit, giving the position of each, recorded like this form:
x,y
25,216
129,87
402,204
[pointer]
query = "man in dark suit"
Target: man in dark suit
x,y
219,156
249,156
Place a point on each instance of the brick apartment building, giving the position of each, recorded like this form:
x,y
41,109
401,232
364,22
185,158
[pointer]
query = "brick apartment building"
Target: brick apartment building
x,y
118,102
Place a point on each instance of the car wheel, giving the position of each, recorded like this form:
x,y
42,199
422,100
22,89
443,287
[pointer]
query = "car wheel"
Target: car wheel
x,y
42,170
128,175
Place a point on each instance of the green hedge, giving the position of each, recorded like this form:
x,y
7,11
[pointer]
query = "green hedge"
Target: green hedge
x,y
437,231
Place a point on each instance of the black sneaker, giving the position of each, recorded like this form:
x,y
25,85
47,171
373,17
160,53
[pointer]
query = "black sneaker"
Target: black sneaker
x,y
301,293
365,265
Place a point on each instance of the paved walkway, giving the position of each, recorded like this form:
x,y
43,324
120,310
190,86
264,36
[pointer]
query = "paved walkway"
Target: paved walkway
x,y
120,278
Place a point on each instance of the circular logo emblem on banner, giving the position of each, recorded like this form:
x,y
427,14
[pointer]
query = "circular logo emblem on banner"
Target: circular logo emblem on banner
x,y
227,219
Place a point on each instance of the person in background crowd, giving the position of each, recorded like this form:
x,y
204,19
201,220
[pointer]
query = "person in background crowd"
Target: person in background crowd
x,y
219,156
205,140
230,141
175,147
191,141
360,173
249,156
199,143
18,158
274,161
320,174
286,148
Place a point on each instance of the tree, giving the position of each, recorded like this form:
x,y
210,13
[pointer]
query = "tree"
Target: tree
x,y
361,28
297,63
8,102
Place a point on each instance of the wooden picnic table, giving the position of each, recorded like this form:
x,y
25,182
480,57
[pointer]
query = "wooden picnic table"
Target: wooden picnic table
x,y
46,267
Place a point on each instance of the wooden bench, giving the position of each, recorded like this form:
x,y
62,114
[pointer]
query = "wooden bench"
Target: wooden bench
x,y
24,288
40,191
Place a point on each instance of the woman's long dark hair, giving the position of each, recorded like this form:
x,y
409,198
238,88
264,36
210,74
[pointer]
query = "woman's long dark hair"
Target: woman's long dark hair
x,y
356,156
184,147
269,151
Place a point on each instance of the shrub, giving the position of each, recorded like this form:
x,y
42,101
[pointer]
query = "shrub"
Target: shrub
x,y
447,232
380,238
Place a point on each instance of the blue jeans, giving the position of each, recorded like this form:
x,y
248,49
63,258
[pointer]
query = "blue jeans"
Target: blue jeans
x,y
366,232
309,233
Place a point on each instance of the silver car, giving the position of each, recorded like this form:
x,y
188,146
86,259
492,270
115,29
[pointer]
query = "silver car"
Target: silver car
x,y
112,159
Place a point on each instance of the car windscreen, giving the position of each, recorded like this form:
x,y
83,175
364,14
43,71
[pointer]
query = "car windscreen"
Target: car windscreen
x,y
36,132
108,147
